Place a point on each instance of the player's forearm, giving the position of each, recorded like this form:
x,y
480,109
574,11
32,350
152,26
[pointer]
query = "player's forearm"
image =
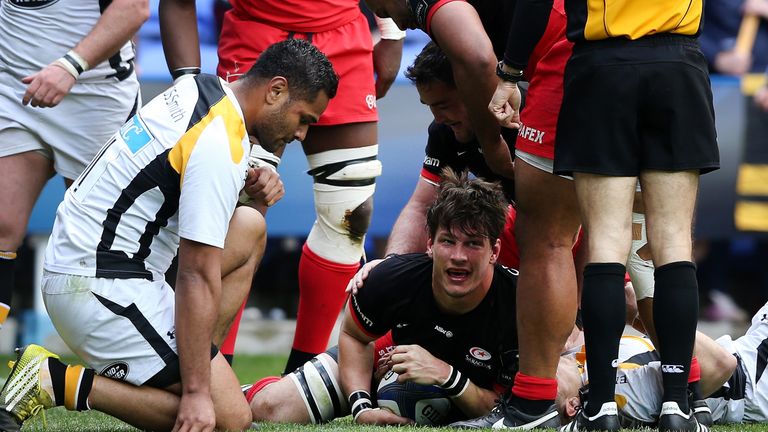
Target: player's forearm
x,y
119,23
197,298
476,401
178,30
409,233
355,363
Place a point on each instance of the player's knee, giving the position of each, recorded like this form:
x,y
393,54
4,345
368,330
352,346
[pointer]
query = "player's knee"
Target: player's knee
x,y
247,236
236,419
12,232
358,219
265,408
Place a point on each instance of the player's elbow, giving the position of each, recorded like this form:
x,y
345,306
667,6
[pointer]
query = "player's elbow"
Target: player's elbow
x,y
137,10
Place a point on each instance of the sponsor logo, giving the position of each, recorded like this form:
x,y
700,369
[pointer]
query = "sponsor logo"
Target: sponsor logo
x,y
32,4
135,134
171,334
447,333
461,153
430,161
531,134
615,363
420,9
480,353
367,321
676,369
402,325
475,362
621,379
117,370
172,102
370,100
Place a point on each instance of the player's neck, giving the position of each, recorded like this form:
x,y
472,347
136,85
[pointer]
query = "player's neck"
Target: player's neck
x,y
465,304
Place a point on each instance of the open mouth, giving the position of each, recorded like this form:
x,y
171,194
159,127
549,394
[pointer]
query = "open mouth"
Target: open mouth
x,y
458,274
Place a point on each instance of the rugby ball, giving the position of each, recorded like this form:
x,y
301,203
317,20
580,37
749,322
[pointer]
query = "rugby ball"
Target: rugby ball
x,y
425,404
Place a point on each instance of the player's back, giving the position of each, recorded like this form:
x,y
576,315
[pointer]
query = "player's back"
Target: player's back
x,y
121,217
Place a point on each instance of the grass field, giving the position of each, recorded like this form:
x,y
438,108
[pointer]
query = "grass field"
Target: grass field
x,y
248,369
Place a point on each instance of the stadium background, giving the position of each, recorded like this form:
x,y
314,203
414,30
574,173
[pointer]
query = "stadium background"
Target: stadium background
x,y
268,324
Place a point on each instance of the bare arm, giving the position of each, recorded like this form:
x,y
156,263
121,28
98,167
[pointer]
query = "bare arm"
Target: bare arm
x,y
409,234
116,26
414,363
198,294
356,368
473,61
178,30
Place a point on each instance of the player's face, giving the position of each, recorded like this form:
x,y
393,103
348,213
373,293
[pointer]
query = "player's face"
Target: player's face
x,y
288,121
568,384
462,263
446,106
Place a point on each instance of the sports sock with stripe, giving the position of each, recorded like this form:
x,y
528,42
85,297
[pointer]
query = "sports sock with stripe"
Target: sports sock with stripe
x,y
603,312
533,395
675,314
71,384
7,269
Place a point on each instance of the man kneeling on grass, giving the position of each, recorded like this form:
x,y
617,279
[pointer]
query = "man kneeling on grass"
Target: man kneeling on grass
x,y
438,318
167,182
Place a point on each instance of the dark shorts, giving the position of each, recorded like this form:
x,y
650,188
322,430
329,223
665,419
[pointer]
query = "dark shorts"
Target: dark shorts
x,y
637,105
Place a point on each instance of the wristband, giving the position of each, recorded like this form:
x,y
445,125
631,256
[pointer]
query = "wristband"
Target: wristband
x,y
82,65
67,66
388,29
513,77
178,73
359,402
456,384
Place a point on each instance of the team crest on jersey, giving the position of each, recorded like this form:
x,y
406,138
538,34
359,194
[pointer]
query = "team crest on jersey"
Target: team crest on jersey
x,y
117,371
135,134
32,4
480,353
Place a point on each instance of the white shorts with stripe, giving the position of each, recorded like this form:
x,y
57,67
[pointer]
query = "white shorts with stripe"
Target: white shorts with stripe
x,y
71,133
122,328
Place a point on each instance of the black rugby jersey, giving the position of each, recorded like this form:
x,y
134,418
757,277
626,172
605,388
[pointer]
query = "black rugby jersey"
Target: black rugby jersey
x,y
482,343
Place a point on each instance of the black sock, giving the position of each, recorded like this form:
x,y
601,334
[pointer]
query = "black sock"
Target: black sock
x,y
74,397
694,391
296,359
675,312
7,269
603,312
530,406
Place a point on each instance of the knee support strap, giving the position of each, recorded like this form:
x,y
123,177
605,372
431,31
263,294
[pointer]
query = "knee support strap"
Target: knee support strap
x,y
318,384
639,264
344,182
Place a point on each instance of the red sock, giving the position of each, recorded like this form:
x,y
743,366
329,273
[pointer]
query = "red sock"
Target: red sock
x,y
695,372
534,388
259,386
509,255
321,288
228,346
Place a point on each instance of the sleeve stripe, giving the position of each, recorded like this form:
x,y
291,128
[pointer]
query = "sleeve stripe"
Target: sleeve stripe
x,y
430,177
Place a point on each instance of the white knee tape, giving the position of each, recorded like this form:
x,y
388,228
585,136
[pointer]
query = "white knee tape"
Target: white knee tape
x,y
640,270
318,384
344,179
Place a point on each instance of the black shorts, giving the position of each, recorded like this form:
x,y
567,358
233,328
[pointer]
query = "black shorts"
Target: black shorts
x,y
636,105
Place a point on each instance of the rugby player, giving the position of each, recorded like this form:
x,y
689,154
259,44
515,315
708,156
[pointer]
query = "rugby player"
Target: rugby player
x,y
168,181
437,318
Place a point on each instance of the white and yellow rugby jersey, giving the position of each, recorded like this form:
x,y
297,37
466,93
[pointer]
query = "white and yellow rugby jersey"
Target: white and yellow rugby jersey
x,y
173,170
638,379
34,33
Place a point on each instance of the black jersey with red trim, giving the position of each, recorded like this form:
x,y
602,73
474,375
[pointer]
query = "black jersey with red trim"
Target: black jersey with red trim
x,y
482,343
443,150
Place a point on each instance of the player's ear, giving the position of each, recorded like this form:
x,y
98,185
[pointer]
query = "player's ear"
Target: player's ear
x,y
571,406
430,242
277,90
495,251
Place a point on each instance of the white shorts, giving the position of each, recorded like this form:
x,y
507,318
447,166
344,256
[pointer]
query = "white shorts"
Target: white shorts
x,y
122,328
539,162
641,271
70,133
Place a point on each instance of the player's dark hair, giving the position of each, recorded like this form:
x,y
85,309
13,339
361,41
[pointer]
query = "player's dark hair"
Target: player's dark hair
x,y
474,206
429,66
307,70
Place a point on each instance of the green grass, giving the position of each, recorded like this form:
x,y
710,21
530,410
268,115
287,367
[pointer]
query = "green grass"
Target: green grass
x,y
248,369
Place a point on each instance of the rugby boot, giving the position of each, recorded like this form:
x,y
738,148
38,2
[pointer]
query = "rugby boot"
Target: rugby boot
x,y
22,396
506,416
702,413
607,419
672,418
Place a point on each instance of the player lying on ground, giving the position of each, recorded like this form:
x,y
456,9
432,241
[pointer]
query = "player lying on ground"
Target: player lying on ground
x,y
167,182
447,311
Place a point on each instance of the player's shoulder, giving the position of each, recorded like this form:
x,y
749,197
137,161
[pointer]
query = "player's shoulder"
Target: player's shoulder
x,y
505,275
402,267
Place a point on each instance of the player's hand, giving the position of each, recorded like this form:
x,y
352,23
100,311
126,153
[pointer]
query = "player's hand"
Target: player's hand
x,y
378,416
264,186
505,104
386,64
414,363
733,62
195,413
761,98
756,7
383,366
47,87
356,282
